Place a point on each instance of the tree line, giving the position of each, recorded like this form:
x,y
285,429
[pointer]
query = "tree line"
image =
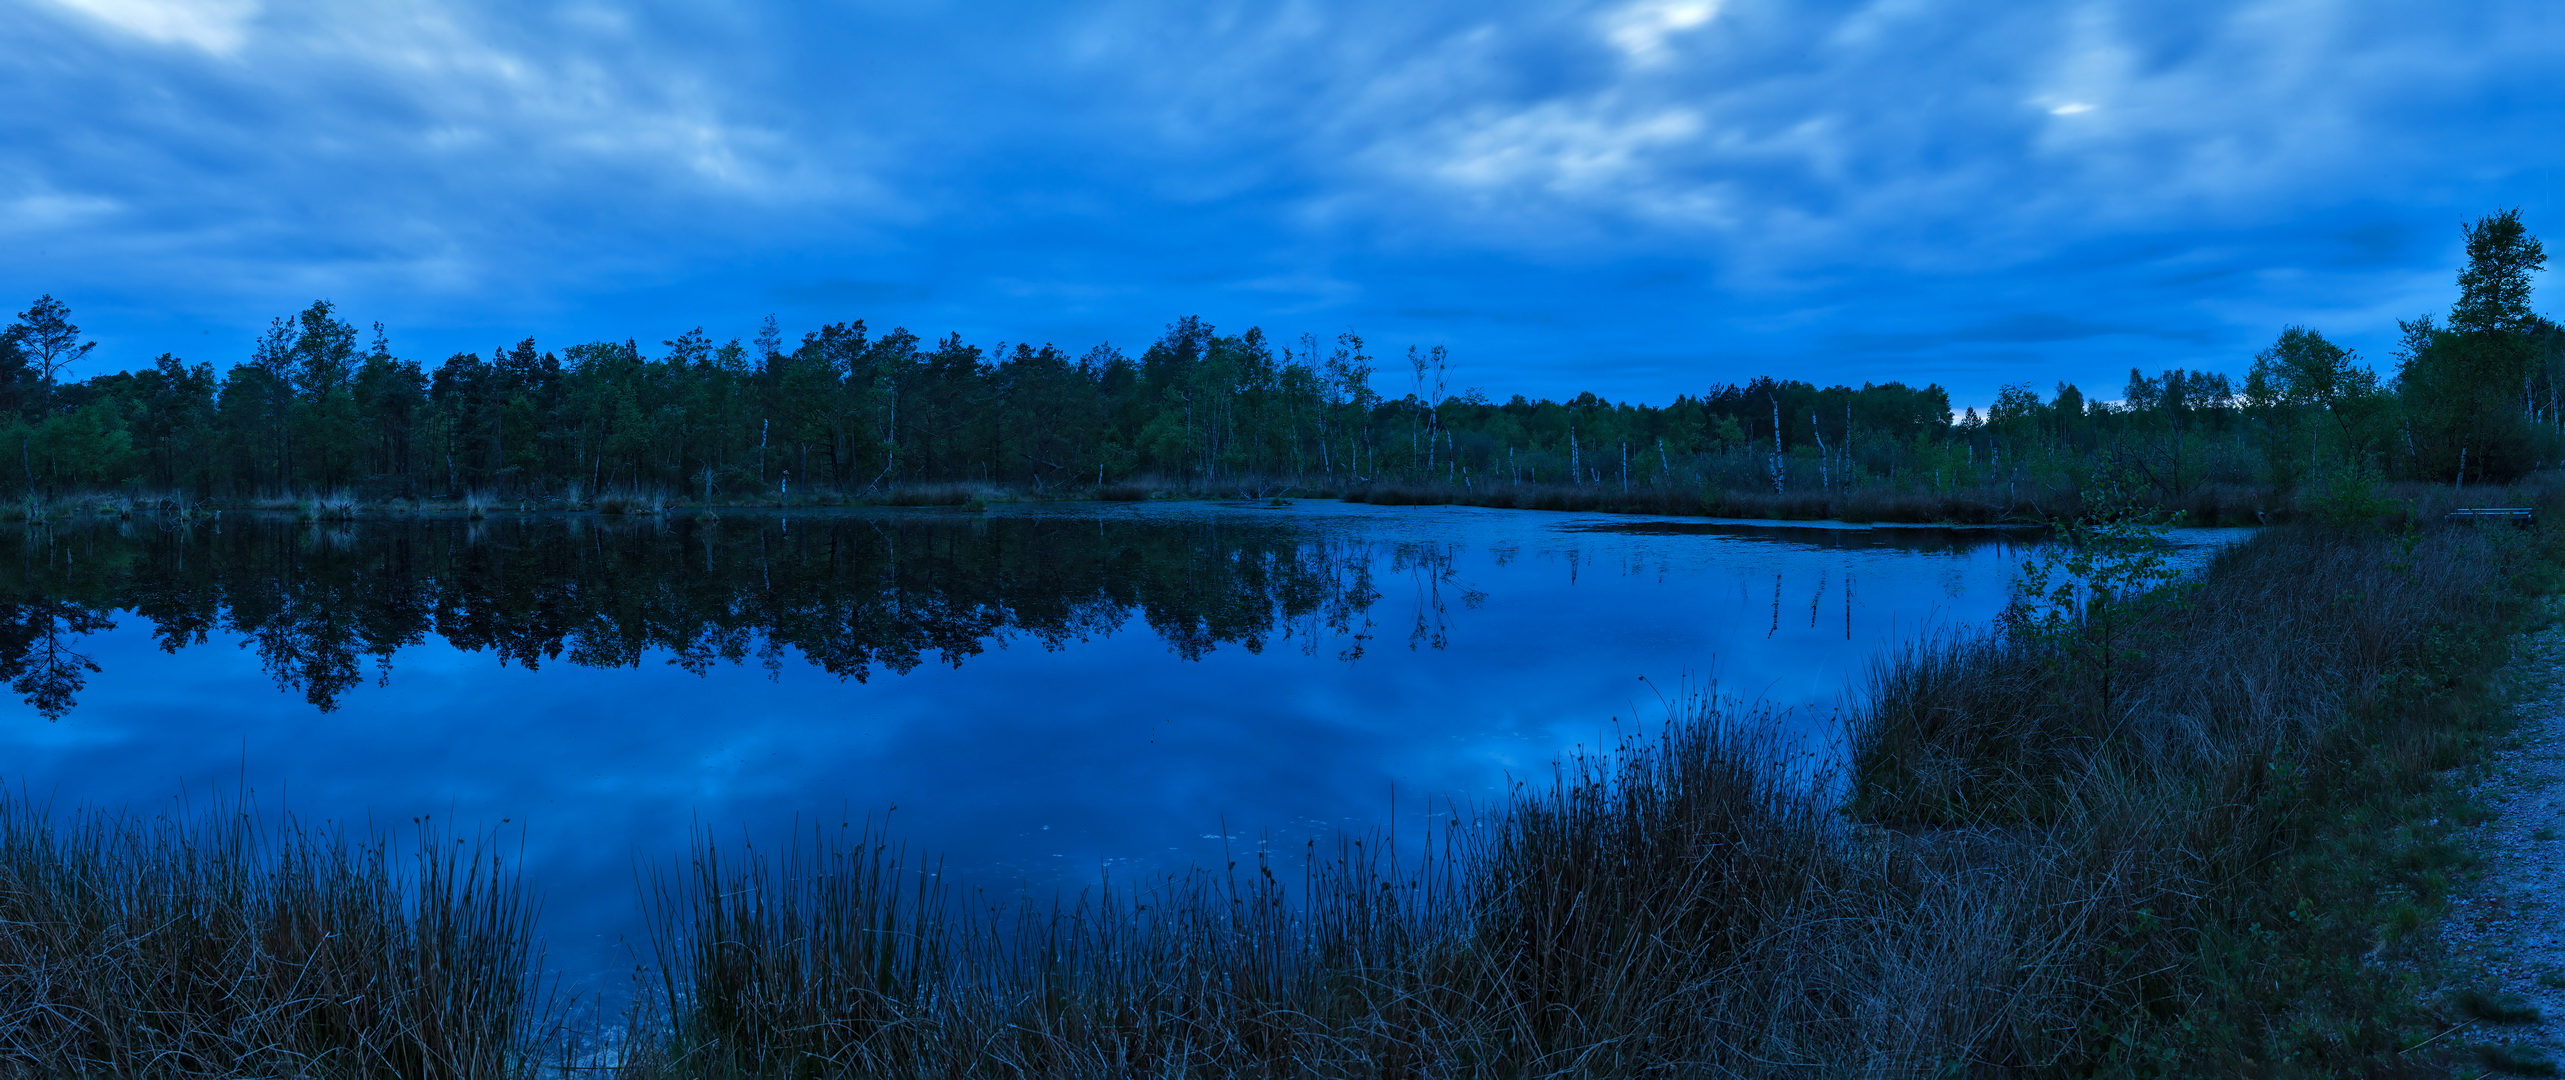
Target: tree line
x,y
2477,394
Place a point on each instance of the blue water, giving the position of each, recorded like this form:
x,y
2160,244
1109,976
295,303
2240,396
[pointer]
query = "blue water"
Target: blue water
x,y
1200,673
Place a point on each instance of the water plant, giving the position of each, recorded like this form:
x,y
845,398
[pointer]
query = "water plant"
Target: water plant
x,y
223,942
650,500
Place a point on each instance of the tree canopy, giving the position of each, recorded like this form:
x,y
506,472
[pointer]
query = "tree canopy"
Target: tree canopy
x,y
320,405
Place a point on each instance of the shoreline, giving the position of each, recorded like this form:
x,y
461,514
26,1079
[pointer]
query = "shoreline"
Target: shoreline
x,y
2208,507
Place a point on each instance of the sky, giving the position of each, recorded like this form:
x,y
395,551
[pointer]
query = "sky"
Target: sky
x,y
1642,198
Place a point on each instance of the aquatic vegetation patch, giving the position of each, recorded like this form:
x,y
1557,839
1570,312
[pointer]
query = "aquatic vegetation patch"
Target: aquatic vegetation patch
x,y
223,943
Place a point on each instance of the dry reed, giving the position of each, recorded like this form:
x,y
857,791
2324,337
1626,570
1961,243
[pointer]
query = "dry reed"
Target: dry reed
x,y
219,944
2028,883
2045,857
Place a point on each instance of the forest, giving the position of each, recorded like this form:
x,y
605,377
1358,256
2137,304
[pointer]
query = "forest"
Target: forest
x,y
320,407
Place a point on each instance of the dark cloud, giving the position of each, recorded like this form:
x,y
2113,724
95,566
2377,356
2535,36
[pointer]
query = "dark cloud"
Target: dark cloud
x,y
1640,197
2019,329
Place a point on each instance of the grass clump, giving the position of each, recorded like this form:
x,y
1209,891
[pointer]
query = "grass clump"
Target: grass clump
x,y
2516,1059
217,944
631,500
2494,1008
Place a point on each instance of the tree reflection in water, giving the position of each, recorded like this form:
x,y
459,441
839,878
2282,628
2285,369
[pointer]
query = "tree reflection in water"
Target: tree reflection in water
x,y
326,607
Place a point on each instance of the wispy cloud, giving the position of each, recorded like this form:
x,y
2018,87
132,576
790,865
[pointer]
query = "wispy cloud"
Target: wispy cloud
x,y
1836,188
216,26
1643,30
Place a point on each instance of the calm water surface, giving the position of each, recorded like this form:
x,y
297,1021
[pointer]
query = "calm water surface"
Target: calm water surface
x,y
1043,695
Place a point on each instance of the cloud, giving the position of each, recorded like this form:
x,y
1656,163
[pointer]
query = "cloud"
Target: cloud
x,y
52,212
1641,30
1829,188
1557,146
216,26
407,144
2028,328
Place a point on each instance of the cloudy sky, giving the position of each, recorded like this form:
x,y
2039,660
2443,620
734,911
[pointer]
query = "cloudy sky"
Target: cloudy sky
x,y
1640,198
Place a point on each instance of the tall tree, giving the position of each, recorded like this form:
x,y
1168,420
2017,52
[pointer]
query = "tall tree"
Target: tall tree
x,y
45,337
2470,381
2493,289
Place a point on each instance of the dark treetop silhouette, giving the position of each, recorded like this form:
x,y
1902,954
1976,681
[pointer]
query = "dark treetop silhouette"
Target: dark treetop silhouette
x,y
846,410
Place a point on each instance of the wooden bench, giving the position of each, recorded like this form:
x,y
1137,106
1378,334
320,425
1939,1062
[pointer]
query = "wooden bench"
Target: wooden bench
x,y
2520,516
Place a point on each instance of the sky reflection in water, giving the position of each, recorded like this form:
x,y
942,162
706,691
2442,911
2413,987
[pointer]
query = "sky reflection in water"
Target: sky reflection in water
x,y
1042,694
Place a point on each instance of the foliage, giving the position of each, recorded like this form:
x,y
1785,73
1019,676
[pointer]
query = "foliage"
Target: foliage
x,y
849,411
2483,389
2107,556
2078,594
2350,496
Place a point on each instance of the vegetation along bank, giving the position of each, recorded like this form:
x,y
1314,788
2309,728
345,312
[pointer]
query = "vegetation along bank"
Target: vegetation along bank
x,y
325,418
2170,828
2199,827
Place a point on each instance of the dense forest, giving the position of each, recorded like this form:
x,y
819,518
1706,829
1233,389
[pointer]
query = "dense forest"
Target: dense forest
x,y
322,407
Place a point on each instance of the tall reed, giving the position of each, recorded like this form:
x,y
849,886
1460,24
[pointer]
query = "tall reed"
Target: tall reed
x,y
2196,848
1674,905
2030,877
2238,792
223,943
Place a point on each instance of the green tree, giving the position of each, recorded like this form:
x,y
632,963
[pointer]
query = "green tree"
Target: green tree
x,y
2470,382
2083,591
174,422
2316,398
47,341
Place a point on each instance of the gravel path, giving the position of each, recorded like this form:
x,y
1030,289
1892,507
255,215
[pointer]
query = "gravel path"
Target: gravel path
x,y
2510,923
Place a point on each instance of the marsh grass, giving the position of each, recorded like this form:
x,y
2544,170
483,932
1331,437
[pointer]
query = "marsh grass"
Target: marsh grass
x,y
931,495
2254,790
222,943
2210,849
336,505
2516,1059
2494,1007
1669,906
631,500
122,504
2215,868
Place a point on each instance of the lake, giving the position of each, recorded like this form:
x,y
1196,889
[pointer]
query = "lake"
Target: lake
x,y
1038,694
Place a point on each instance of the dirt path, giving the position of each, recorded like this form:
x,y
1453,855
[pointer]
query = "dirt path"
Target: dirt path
x,y
2510,924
